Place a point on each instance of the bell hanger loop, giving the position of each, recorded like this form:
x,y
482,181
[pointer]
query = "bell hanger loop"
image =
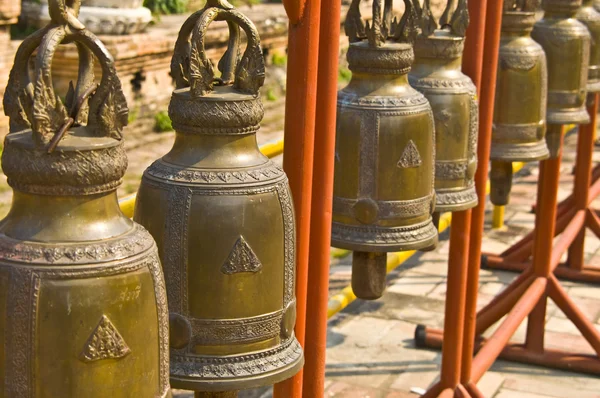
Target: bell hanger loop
x,y
384,26
66,13
191,67
30,101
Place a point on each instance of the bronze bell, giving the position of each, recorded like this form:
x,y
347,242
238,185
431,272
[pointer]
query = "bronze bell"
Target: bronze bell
x,y
453,97
521,95
385,149
566,42
83,303
590,17
222,216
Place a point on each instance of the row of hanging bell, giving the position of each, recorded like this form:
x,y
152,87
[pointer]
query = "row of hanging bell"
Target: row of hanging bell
x,y
385,148
222,216
83,300
453,97
540,82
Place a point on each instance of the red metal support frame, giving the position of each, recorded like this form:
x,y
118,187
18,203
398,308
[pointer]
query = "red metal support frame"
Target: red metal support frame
x,y
493,21
458,260
322,201
299,134
574,215
528,294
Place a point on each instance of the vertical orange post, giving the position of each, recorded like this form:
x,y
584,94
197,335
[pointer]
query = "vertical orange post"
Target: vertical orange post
x,y
458,264
322,201
299,134
458,258
493,20
583,179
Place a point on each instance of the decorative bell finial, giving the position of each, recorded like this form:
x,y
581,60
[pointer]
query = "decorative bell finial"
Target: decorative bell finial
x,y
385,148
84,303
453,97
222,215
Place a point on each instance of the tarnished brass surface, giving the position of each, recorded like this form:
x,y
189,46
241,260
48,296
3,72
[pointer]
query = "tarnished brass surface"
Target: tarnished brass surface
x,y
453,97
590,17
82,296
519,129
222,216
385,145
566,42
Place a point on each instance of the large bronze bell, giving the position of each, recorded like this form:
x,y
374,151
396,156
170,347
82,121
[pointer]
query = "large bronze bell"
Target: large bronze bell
x,y
83,301
566,42
519,129
385,149
453,97
590,17
222,216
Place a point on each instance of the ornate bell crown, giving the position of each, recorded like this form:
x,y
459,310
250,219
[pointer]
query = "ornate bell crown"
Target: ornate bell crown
x,y
207,104
443,39
384,45
519,15
72,147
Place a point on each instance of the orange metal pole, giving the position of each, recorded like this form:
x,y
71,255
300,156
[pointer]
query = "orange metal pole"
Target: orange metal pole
x,y
299,134
455,300
493,19
458,260
583,179
322,201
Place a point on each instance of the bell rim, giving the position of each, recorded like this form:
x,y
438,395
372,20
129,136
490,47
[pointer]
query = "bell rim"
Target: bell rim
x,y
290,368
447,200
593,86
520,153
568,116
394,241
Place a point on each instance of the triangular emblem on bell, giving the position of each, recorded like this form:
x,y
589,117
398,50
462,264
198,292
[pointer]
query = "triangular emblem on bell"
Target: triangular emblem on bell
x,y
241,259
105,342
410,156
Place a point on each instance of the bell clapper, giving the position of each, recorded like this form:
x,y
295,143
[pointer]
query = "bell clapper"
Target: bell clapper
x,y
501,175
215,394
368,274
435,218
553,134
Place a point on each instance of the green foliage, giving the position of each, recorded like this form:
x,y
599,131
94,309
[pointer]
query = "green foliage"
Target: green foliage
x,y
344,74
162,122
278,59
166,7
271,96
21,31
133,115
